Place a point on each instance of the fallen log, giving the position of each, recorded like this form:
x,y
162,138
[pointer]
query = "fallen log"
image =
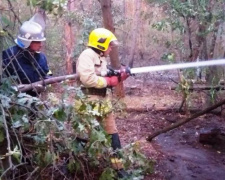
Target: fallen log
x,y
202,88
166,109
40,84
175,125
149,109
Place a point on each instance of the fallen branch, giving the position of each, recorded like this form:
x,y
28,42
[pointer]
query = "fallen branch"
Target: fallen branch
x,y
32,173
40,84
12,168
7,137
166,110
175,125
149,109
199,88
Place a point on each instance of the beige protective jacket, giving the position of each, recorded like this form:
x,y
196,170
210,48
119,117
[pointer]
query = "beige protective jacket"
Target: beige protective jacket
x,y
89,68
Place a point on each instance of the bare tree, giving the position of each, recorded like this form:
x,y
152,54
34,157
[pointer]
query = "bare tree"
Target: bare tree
x,y
124,36
202,37
1,44
212,73
114,55
135,31
108,24
69,40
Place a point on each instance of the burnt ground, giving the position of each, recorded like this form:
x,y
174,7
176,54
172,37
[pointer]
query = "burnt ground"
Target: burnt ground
x,y
178,154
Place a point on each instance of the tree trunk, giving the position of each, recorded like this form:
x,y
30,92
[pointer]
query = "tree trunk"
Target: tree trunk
x,y
108,24
135,32
196,43
114,55
69,40
212,73
124,35
1,49
3,35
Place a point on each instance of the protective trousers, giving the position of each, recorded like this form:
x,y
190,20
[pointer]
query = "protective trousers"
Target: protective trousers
x,y
103,108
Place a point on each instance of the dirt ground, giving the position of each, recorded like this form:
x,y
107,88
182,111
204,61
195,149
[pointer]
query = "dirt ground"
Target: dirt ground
x,y
178,154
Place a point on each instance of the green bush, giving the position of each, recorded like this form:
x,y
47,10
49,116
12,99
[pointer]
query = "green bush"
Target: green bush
x,y
56,141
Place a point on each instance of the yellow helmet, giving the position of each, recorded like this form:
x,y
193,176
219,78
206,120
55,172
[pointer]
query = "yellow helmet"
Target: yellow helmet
x,y
100,38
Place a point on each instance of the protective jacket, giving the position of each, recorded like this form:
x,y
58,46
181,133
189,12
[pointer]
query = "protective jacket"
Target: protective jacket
x,y
89,67
30,67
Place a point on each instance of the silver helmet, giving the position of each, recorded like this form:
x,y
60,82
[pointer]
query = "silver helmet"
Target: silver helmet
x,y
30,31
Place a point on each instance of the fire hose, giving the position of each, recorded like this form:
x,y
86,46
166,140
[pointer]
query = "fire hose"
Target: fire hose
x,y
113,72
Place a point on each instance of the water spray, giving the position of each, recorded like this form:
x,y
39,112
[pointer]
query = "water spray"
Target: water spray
x,y
112,72
176,66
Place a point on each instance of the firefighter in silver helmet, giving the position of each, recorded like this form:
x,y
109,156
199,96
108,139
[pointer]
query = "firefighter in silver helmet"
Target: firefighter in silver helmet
x,y
90,64
25,60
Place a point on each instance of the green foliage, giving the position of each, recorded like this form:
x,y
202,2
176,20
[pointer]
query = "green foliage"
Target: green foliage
x,y
88,24
55,7
88,21
5,21
180,13
108,174
169,57
194,26
133,157
62,137
161,25
185,83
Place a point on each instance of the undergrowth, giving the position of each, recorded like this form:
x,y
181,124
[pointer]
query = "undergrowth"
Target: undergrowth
x,y
51,140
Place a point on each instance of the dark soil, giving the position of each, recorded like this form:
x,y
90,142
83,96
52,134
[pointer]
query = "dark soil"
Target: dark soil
x,y
178,153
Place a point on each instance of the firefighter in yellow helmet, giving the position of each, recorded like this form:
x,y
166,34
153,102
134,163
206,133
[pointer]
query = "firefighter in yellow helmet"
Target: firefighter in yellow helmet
x,y
90,65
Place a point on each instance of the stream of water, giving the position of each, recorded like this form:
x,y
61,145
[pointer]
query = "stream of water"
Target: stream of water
x,y
177,66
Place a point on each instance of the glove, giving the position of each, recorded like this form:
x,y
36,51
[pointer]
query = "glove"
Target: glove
x,y
38,88
124,76
112,81
124,72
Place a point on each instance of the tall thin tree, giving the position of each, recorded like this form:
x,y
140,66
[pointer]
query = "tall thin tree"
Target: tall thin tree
x,y
135,31
69,39
114,55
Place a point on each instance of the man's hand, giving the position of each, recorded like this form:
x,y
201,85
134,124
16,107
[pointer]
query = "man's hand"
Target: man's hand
x,y
124,72
124,76
112,81
38,88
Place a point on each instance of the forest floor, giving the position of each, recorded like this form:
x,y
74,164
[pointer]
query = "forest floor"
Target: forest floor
x,y
178,154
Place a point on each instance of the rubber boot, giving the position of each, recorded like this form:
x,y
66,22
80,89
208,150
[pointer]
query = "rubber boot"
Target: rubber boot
x,y
116,159
116,141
